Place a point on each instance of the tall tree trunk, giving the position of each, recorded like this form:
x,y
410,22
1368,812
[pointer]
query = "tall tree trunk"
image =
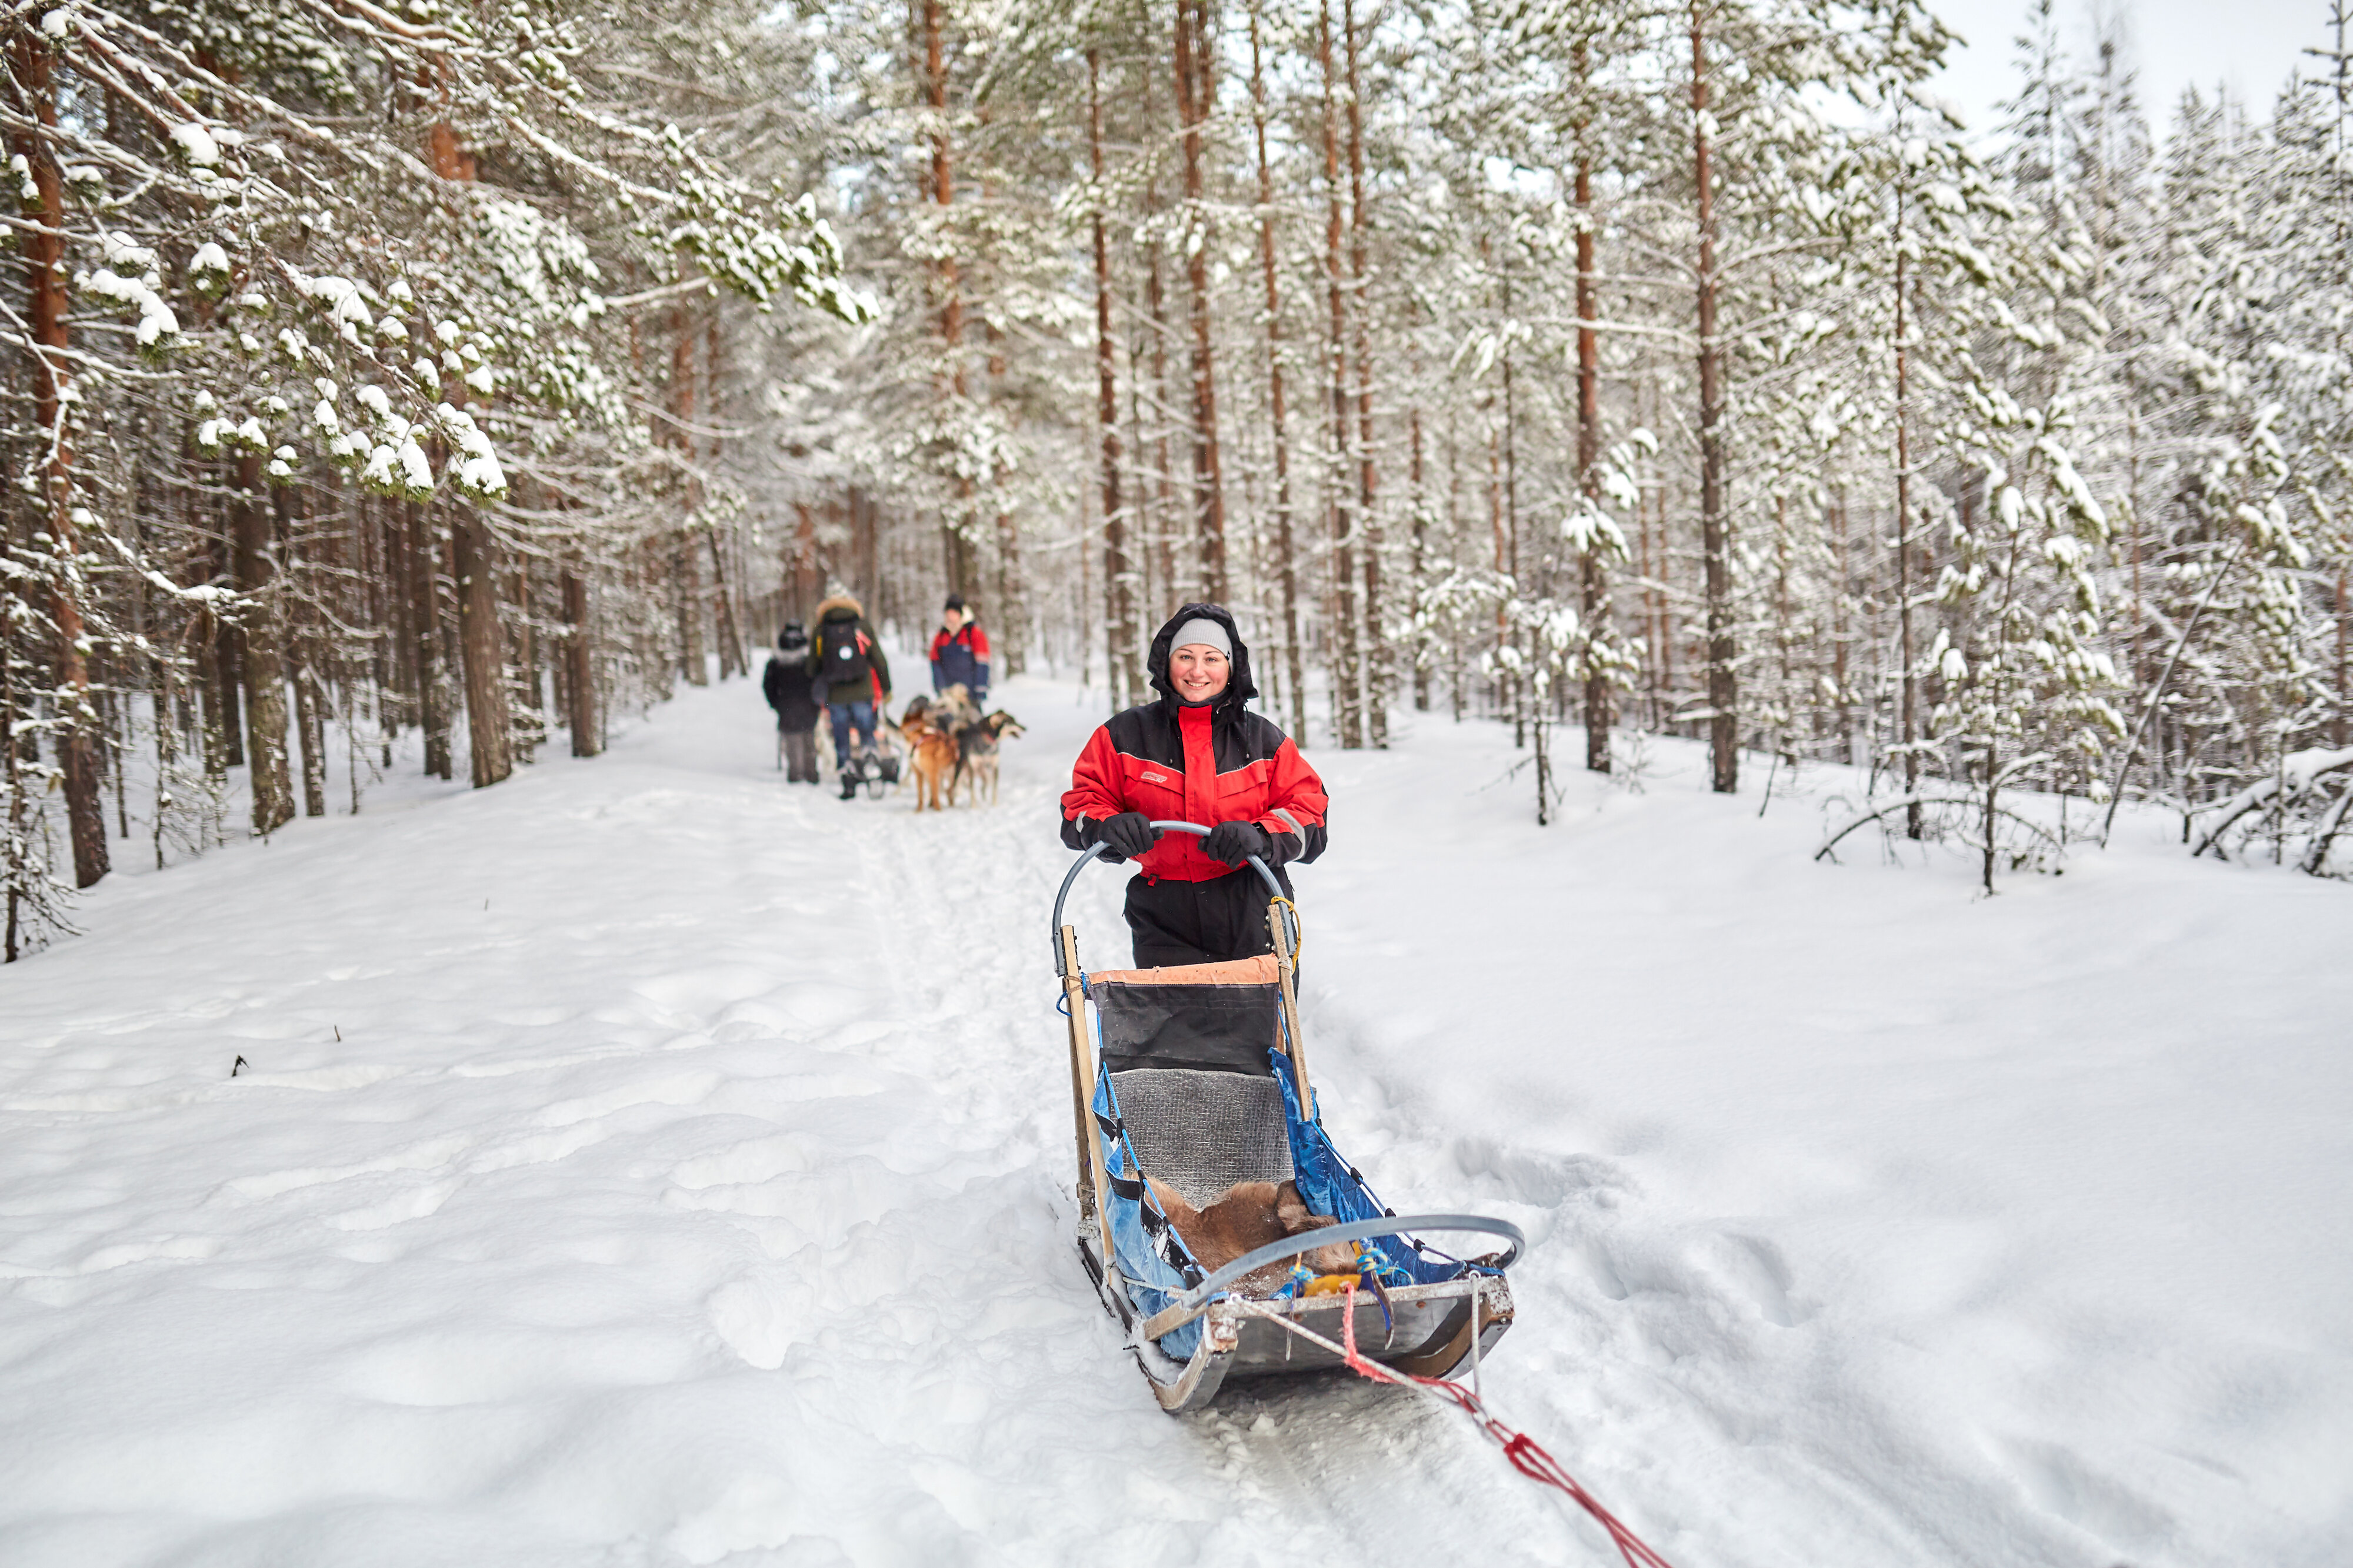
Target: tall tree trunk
x,y
481,647
1347,710
956,548
1912,818
1286,562
1420,563
580,667
1193,76
43,244
807,581
1723,690
226,676
1166,594
265,665
1376,642
731,656
686,565
425,609
301,646
1594,600
1119,583
731,638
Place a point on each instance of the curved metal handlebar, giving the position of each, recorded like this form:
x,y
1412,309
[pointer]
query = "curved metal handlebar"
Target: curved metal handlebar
x,y
1087,858
1355,1230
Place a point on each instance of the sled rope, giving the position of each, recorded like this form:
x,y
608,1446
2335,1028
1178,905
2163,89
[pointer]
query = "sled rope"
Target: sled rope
x,y
1298,927
1527,1456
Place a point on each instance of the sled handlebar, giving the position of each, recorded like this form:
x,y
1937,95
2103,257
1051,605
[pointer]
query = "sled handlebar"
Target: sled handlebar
x,y
1191,1304
1357,1230
1087,858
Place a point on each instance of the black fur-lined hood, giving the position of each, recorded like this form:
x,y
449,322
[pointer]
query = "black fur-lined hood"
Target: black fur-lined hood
x,y
1239,688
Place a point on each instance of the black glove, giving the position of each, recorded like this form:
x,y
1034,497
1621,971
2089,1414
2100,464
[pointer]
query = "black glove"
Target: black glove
x,y
1235,842
1129,834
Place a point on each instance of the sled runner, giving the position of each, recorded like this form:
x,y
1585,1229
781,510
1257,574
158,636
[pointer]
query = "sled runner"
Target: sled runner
x,y
1191,1080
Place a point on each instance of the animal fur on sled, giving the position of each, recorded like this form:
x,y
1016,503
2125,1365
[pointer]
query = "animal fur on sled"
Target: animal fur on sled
x,y
1246,1216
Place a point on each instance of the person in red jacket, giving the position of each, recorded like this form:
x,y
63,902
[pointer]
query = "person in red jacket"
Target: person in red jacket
x,y
960,651
1196,755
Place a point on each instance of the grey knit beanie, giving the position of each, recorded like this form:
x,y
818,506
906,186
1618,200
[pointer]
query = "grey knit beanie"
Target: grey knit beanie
x,y
1202,630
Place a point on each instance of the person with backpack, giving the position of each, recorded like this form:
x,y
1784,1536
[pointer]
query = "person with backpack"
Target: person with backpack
x,y
960,651
852,678
1196,755
786,684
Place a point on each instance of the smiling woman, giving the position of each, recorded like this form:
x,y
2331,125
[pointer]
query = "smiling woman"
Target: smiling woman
x,y
1195,754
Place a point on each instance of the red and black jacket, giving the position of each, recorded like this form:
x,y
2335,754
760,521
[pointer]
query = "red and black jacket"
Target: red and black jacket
x,y
1210,764
961,658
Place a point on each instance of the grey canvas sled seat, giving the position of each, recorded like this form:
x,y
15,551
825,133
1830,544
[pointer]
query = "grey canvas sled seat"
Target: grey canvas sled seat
x,y
1187,1050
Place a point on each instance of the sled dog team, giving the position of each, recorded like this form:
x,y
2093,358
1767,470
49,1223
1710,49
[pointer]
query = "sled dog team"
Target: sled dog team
x,y
839,673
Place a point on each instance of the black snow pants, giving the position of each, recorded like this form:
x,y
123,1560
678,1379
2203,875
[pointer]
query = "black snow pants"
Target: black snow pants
x,y
1198,922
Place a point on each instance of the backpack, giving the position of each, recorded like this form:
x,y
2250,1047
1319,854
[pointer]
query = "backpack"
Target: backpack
x,y
848,661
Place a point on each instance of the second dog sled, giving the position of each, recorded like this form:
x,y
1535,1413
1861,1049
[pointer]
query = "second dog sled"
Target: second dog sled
x,y
1196,1078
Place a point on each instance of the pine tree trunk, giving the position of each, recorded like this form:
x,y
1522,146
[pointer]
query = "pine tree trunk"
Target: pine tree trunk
x,y
530,689
1165,592
955,545
1594,601
1119,583
43,248
1912,820
1723,691
580,668
808,582
1193,105
425,609
1347,710
686,567
481,647
212,640
1286,562
310,722
272,784
731,639
1420,543
732,659
1375,641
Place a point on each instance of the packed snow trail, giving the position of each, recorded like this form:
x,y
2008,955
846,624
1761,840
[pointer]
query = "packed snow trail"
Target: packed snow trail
x,y
642,1163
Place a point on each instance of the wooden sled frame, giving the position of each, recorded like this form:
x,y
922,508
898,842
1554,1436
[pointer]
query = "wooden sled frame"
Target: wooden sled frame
x,y
1428,1330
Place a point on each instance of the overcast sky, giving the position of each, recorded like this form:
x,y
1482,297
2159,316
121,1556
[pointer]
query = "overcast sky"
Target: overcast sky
x,y
2249,44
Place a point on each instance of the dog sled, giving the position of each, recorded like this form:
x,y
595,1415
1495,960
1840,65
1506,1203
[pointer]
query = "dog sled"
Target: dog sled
x,y
1192,1081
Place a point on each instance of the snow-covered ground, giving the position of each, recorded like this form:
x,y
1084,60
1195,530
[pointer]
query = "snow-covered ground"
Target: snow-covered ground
x,y
644,1163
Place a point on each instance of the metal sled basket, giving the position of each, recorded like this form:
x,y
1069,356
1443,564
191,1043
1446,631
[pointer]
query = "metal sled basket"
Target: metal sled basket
x,y
1195,1075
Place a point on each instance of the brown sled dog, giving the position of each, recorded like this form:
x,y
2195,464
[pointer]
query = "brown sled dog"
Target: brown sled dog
x,y
1246,1216
931,752
976,746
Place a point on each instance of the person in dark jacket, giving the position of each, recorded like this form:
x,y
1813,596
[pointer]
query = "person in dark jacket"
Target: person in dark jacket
x,y
1196,755
960,651
786,684
852,678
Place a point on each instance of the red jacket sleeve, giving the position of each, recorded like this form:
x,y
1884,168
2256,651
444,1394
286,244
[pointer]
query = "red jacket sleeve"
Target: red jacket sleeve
x,y
1096,791
979,643
1295,805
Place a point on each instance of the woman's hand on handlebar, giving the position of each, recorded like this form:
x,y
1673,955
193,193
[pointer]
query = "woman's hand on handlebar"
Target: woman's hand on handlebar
x,y
1236,842
1129,835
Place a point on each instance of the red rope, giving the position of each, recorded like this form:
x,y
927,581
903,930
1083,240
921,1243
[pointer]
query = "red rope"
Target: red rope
x,y
1526,1455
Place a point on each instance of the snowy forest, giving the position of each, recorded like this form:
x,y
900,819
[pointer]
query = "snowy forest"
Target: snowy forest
x,y
475,374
